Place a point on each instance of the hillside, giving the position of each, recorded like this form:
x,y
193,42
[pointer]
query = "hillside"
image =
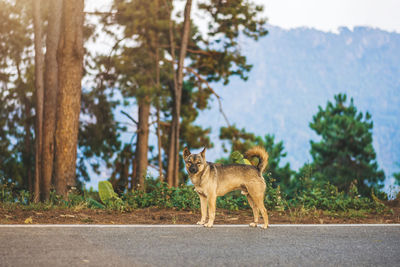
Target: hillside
x,y
297,70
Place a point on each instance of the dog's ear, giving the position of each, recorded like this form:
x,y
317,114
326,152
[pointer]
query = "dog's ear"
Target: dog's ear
x,y
186,153
203,154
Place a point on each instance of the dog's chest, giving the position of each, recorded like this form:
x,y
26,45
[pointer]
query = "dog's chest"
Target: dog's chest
x,y
200,191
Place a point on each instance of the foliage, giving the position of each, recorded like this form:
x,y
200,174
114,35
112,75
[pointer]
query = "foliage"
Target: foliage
x,y
160,195
6,191
345,152
98,130
238,158
16,91
396,176
312,196
326,196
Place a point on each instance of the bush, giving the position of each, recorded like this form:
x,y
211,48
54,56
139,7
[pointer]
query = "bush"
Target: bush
x,y
325,196
309,195
6,191
161,196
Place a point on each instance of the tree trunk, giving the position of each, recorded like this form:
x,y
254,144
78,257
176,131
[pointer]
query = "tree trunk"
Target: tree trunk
x,y
171,145
142,142
173,161
171,151
159,144
158,130
133,175
28,181
70,59
50,95
37,23
125,173
27,151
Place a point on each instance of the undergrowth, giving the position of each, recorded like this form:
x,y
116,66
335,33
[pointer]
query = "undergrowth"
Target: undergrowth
x,y
324,197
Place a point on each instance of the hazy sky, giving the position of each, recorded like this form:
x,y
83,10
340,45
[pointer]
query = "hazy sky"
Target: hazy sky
x,y
326,15
329,15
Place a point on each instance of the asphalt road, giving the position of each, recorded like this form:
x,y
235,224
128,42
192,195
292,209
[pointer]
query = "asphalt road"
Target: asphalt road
x,y
197,246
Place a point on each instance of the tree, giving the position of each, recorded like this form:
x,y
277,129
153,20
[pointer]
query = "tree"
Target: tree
x,y
17,90
173,151
345,152
215,57
50,95
70,60
282,174
145,63
137,67
39,85
191,135
396,176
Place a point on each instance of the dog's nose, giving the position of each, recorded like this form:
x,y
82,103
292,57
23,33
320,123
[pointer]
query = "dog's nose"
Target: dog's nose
x,y
193,169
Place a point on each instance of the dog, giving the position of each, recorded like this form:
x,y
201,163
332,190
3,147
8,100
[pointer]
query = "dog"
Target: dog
x,y
212,180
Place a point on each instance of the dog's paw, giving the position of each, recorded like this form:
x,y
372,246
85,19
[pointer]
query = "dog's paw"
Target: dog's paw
x,y
264,226
201,222
253,224
208,225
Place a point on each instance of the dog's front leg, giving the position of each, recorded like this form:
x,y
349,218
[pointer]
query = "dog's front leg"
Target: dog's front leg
x,y
203,205
211,200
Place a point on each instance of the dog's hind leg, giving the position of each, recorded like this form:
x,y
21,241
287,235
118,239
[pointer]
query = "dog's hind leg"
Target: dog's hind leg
x,y
256,212
259,202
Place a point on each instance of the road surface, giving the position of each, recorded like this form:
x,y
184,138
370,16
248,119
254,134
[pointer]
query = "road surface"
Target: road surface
x,y
280,245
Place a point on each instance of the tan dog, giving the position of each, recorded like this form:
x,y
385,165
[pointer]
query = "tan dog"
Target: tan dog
x,y
211,180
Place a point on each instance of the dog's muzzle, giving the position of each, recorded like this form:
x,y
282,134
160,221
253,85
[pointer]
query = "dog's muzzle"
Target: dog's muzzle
x,y
193,169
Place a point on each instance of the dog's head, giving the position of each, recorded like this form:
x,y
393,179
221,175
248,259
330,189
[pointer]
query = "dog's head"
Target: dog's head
x,y
195,163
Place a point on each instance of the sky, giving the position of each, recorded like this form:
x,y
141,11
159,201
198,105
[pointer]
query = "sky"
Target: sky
x,y
327,15
324,15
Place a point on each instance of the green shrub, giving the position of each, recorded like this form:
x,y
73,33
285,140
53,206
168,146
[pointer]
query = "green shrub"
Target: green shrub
x,y
327,197
309,195
6,190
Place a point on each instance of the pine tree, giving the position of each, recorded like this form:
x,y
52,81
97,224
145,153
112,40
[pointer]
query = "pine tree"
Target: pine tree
x,y
396,176
70,71
50,95
345,152
16,97
39,93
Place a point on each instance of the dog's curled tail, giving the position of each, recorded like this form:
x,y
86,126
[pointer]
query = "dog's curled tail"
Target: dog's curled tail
x,y
262,156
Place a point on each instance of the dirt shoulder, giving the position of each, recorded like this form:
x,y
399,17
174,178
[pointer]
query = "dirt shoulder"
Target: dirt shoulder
x,y
19,215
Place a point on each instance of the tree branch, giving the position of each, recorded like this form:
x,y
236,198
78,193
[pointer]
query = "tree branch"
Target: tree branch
x,y
213,92
129,117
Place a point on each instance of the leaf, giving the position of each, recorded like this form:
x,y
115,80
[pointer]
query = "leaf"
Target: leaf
x,y
94,204
246,161
67,216
106,192
237,157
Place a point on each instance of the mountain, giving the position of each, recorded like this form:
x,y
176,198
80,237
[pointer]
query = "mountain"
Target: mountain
x,y
295,71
